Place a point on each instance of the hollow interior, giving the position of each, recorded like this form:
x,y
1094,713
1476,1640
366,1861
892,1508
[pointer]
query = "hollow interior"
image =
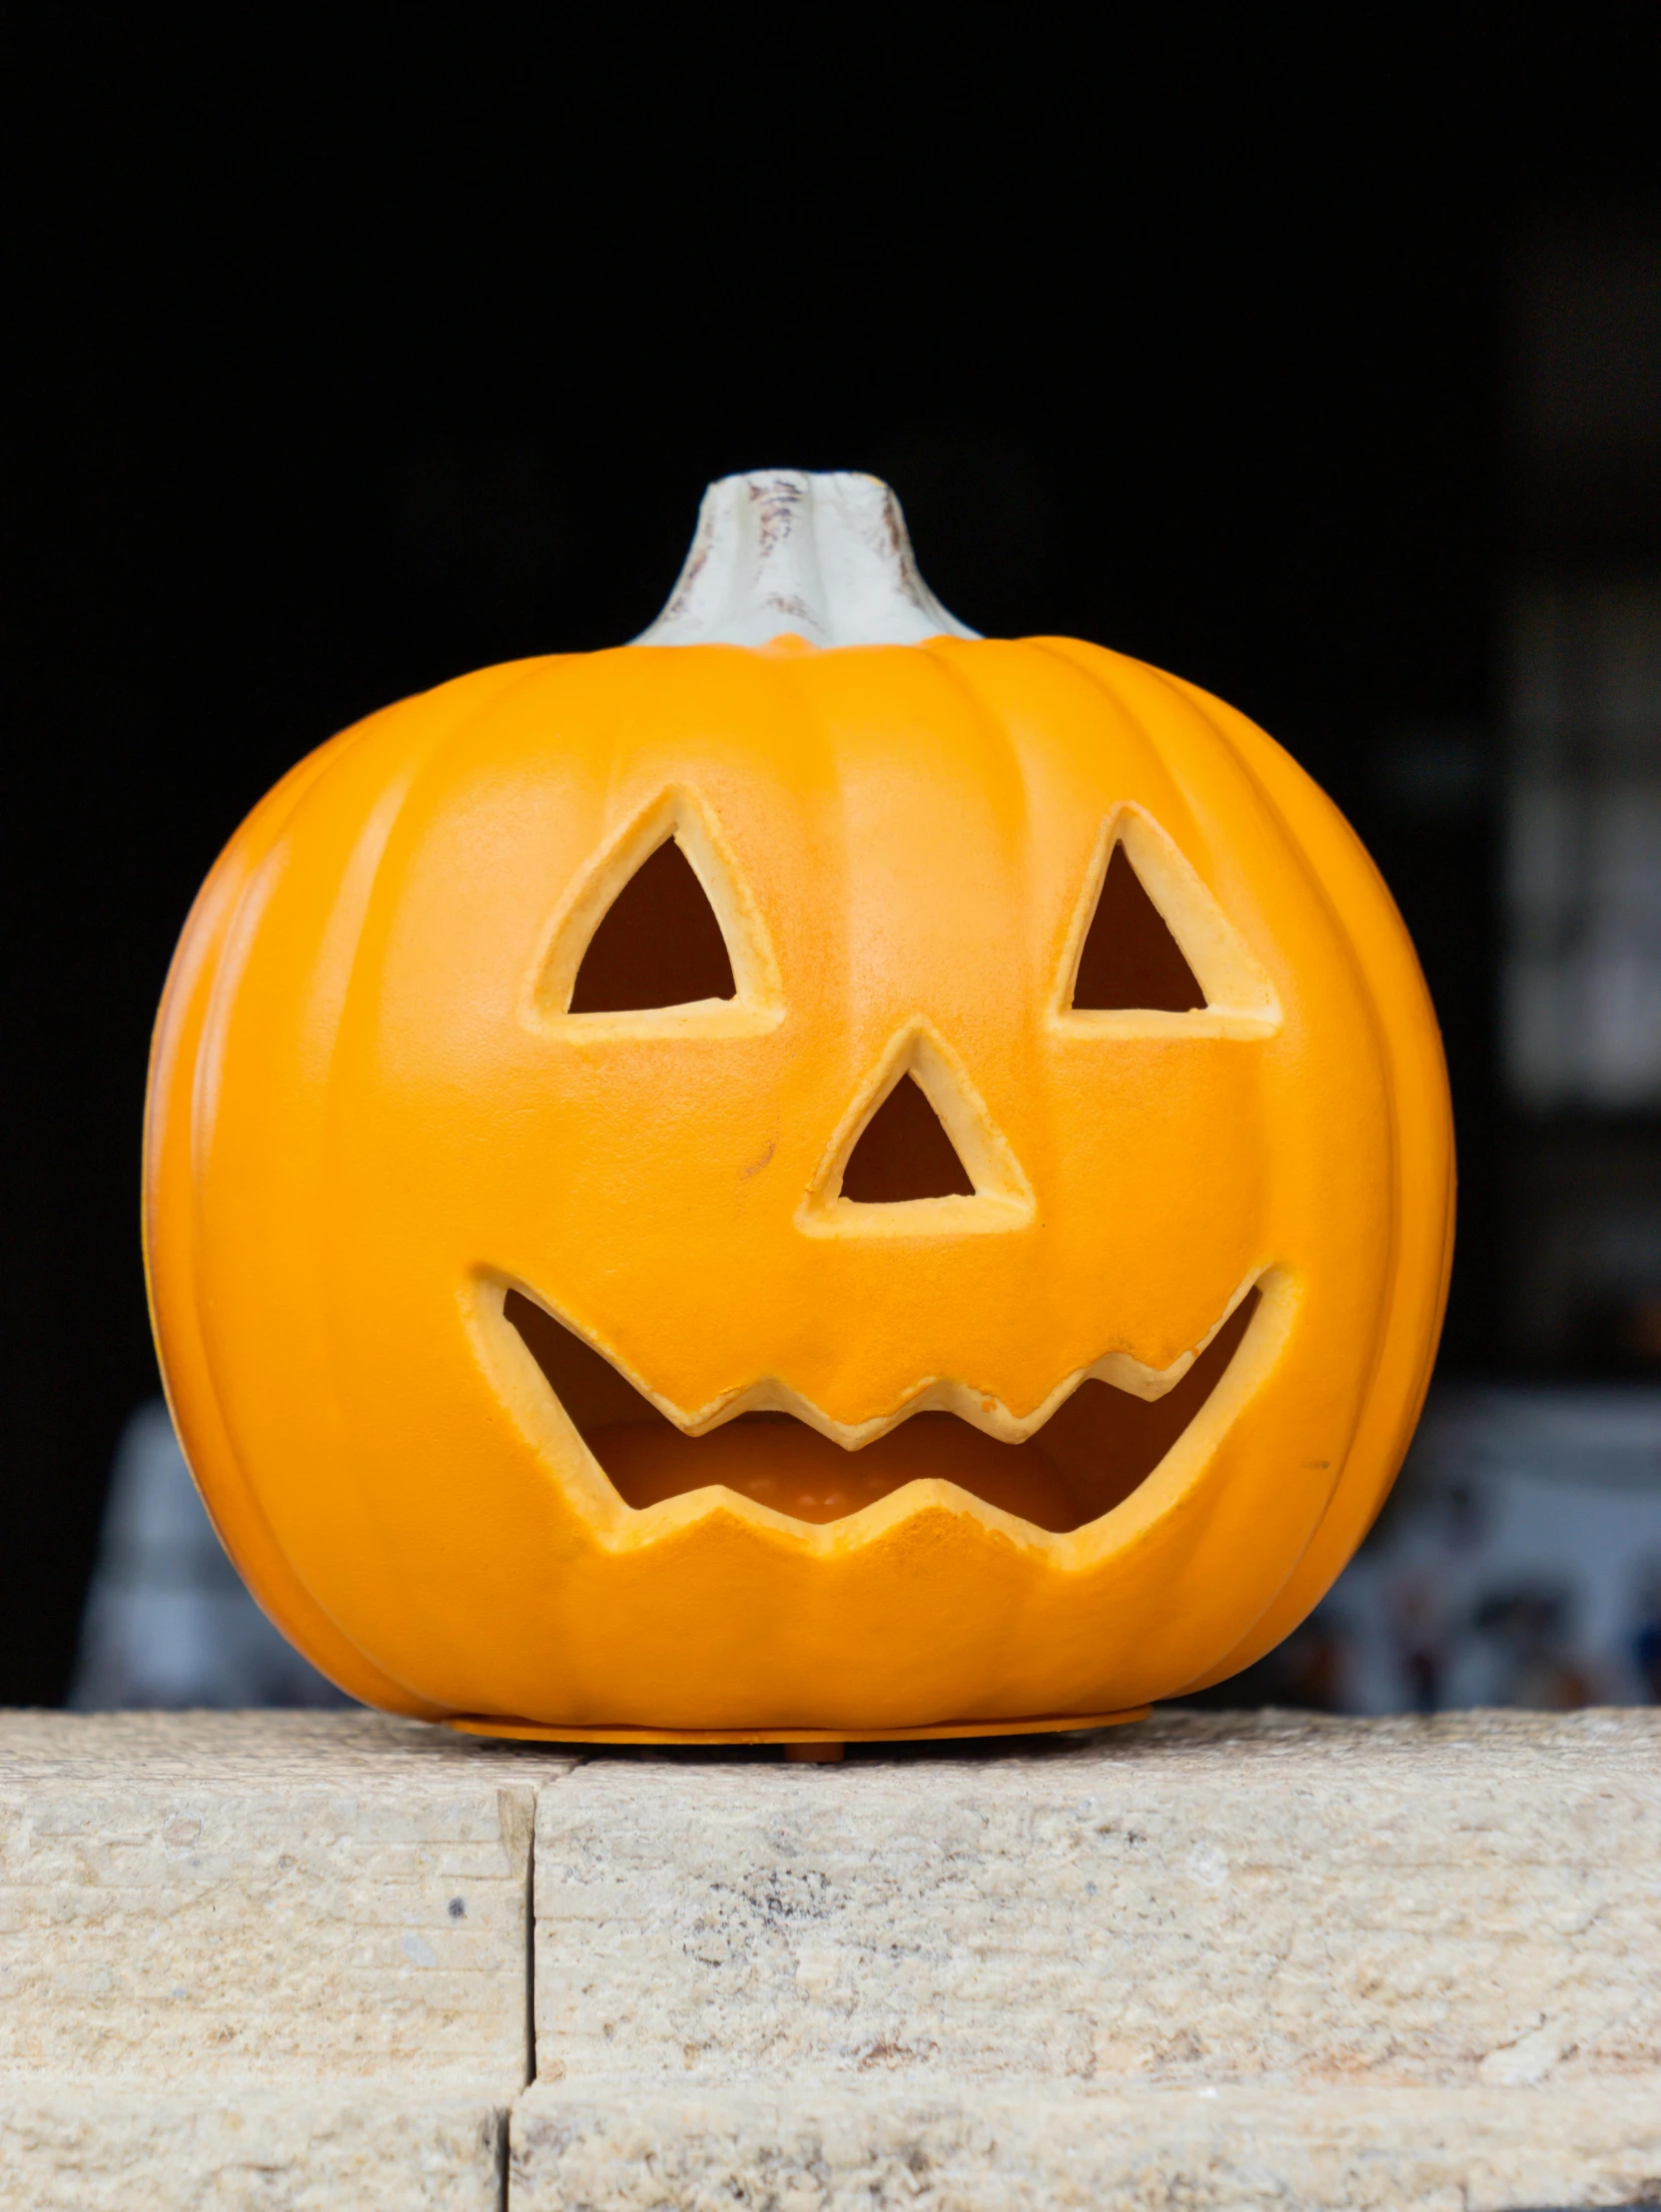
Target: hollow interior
x,y
1094,1450
658,944
904,1153
1130,958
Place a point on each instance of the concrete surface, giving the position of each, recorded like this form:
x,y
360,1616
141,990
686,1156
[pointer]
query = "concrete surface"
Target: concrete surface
x,y
1473,1899
280,1898
878,2148
273,1961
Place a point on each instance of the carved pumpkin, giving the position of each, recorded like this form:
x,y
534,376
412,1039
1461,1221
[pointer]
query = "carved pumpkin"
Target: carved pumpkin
x,y
813,1173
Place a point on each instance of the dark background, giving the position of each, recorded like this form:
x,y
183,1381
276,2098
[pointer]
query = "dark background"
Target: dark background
x,y
342,363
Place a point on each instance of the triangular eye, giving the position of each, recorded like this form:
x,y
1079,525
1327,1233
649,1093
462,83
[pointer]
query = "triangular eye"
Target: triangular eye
x,y
904,1153
1130,958
658,944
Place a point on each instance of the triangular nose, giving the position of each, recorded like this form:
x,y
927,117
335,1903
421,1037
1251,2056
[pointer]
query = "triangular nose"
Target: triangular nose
x,y
904,1153
917,1153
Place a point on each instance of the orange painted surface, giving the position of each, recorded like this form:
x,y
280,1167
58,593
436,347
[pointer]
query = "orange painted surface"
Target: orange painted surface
x,y
371,1116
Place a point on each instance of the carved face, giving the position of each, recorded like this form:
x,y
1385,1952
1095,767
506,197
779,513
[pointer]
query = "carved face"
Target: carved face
x,y
720,1189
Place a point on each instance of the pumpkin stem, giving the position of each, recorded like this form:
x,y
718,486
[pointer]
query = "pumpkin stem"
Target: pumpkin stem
x,y
792,552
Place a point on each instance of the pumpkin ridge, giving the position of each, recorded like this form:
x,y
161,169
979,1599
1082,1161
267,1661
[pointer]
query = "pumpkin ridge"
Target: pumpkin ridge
x,y
229,1495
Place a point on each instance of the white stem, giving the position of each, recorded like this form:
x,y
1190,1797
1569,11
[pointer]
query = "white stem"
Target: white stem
x,y
785,550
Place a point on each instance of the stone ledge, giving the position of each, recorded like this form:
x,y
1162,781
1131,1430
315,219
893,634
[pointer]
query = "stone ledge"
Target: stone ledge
x,y
1033,2148
74,2146
1207,1960
1198,1900
299,1897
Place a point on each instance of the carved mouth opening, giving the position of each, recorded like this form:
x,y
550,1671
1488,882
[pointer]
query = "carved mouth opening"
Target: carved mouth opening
x,y
1099,1445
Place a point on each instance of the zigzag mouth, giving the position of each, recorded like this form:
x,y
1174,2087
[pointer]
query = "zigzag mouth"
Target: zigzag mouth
x,y
1096,1447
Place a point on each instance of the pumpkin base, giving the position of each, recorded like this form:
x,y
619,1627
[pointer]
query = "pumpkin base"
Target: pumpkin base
x,y
540,1732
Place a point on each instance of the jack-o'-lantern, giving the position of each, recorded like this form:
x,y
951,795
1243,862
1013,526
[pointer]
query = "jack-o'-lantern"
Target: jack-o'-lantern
x,y
811,1174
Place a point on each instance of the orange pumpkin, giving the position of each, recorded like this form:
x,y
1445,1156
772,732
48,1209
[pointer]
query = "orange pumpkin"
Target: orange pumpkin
x,y
813,1173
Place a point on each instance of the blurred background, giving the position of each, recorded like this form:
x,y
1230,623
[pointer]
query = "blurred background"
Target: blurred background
x,y
1322,369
